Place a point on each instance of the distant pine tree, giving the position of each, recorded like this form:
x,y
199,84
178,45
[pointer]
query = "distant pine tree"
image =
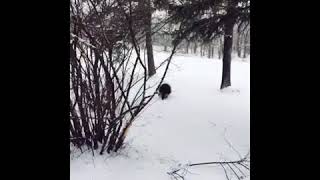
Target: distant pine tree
x,y
208,19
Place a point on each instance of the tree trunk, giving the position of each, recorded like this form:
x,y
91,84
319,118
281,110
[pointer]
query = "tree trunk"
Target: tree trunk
x,y
209,50
220,48
187,47
234,43
227,50
195,47
212,51
245,51
239,45
151,66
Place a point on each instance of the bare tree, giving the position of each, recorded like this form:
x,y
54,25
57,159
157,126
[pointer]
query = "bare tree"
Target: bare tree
x,y
108,78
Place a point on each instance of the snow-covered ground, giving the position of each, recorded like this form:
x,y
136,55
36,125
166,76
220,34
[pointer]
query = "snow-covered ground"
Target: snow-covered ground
x,y
197,123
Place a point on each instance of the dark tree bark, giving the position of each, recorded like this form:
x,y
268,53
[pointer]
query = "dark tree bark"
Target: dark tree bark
x,y
195,47
151,66
226,62
245,51
209,51
227,48
220,48
187,47
212,51
165,43
239,45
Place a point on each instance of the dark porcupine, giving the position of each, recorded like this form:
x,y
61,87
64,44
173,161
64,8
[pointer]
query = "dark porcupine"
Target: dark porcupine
x,y
164,90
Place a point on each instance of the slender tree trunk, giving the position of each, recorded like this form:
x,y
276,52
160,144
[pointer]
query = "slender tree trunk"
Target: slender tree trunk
x,y
209,50
187,47
195,47
234,43
243,45
164,39
227,50
220,48
239,45
165,43
151,66
245,51
212,51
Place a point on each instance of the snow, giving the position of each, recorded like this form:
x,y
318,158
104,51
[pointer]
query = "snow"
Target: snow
x,y
197,123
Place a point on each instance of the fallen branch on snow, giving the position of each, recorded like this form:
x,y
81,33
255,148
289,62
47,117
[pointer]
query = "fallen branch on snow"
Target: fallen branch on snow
x,y
239,168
